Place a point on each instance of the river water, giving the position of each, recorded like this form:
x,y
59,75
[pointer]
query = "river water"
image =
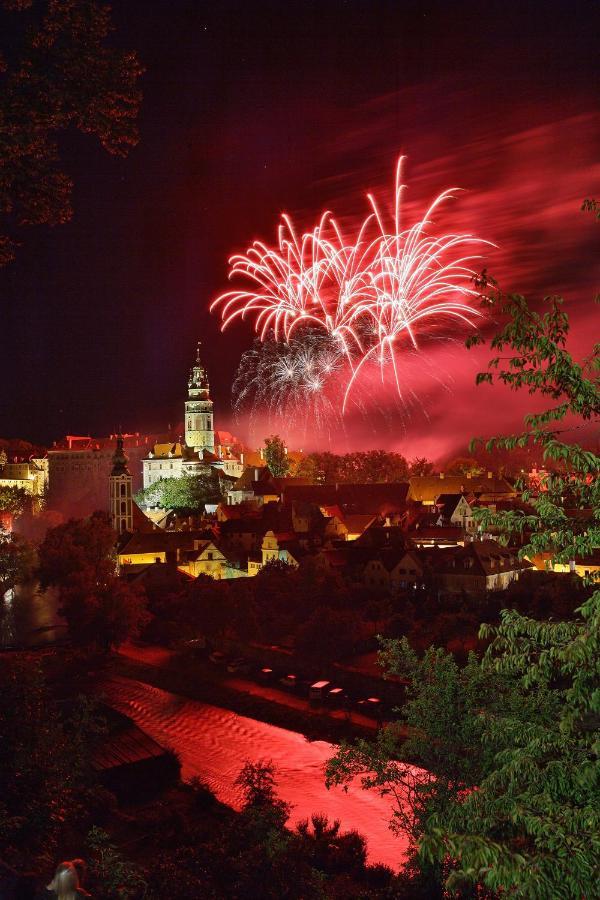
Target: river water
x,y
213,744
29,617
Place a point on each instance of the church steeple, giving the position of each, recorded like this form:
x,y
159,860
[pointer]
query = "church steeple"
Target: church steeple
x,y
199,428
120,489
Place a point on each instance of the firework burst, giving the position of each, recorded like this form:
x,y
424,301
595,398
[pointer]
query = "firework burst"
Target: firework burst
x,y
328,308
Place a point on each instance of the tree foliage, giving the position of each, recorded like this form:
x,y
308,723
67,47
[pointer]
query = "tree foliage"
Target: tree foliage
x,y
463,465
78,558
276,456
17,561
59,72
14,500
45,764
189,493
512,805
420,466
369,467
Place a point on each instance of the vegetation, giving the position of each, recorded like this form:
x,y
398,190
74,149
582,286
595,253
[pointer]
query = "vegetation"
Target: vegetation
x,y
186,494
78,558
276,456
13,500
59,72
512,802
370,467
420,466
17,562
45,767
463,465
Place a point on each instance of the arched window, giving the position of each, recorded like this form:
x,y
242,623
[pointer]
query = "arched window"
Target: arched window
x,y
123,508
122,489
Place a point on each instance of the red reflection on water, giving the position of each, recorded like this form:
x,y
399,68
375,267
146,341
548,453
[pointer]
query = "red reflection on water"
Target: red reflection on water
x,y
214,743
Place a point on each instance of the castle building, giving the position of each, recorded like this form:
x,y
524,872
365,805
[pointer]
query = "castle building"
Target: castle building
x,y
121,491
202,447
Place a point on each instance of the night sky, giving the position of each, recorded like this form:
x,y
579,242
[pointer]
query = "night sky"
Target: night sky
x,y
255,108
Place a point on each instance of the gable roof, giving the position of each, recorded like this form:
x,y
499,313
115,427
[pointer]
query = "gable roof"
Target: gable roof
x,y
374,499
166,451
161,542
427,488
447,504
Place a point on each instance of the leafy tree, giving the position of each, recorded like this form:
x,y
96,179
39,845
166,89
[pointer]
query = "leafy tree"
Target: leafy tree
x,y
45,764
520,812
102,613
78,558
14,500
117,877
560,524
440,731
59,73
17,561
328,635
532,827
74,546
204,607
276,456
331,849
420,466
463,465
189,493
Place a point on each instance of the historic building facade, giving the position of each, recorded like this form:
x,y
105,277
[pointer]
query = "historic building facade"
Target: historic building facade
x,y
121,491
202,448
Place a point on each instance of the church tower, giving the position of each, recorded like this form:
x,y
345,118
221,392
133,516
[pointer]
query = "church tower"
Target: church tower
x,y
199,428
121,496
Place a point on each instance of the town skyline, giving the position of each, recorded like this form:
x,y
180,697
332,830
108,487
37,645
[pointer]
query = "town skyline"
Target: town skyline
x,y
525,162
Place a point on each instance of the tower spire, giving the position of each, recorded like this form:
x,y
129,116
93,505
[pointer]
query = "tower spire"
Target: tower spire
x,y
199,429
120,491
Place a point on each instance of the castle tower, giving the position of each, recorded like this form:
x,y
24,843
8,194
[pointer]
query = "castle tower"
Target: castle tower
x,y
121,496
199,429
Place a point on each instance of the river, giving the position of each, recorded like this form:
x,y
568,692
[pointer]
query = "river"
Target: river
x,y
29,617
213,745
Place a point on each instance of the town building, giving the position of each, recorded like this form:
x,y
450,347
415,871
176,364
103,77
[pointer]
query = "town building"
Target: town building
x,y
426,489
79,468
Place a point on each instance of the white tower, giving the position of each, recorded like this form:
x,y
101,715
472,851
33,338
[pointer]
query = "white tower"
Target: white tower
x,y
121,496
199,426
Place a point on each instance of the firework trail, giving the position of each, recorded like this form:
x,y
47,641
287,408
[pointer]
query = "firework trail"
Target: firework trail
x,y
289,380
368,298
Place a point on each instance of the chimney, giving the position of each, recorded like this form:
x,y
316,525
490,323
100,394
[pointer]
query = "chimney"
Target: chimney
x,y
441,474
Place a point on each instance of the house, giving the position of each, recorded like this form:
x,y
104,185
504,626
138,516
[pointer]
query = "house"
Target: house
x,y
275,547
477,567
204,559
454,509
242,490
146,548
394,570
